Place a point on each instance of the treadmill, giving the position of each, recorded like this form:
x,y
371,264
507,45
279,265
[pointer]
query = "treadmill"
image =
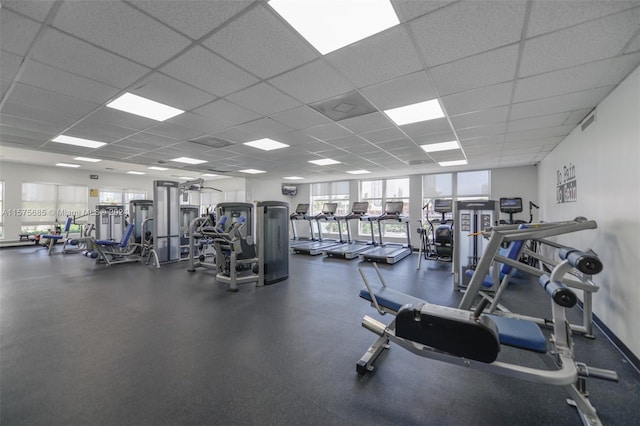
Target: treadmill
x,y
298,215
389,252
351,248
316,247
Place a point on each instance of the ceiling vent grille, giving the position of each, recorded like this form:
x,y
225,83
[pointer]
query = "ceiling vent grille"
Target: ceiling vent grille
x,y
344,106
588,121
212,142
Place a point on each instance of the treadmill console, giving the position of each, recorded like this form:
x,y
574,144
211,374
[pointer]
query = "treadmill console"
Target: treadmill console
x,y
360,207
442,206
511,205
393,208
329,208
302,209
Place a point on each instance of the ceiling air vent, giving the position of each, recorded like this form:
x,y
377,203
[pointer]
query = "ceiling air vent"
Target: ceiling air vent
x,y
418,162
211,142
344,106
588,121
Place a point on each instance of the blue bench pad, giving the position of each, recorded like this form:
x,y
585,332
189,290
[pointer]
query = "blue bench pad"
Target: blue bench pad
x,y
511,331
53,237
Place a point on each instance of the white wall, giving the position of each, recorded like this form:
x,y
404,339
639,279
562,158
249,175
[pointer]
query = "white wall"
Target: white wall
x,y
516,182
606,156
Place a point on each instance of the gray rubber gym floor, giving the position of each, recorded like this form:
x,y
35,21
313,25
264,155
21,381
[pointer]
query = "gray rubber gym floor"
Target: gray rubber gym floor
x,y
82,344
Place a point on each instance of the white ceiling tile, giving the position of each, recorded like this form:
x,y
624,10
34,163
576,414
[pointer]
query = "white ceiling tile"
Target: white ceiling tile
x,y
485,69
384,135
23,123
487,116
176,132
153,139
59,118
467,28
226,112
547,16
327,82
235,134
401,143
576,117
37,10
301,118
578,45
367,123
327,131
26,133
4,87
44,99
100,131
201,68
194,18
556,104
491,130
553,120
538,133
263,99
114,25
261,43
583,77
55,80
435,138
263,128
633,45
197,122
381,57
296,139
9,64
478,99
411,9
77,57
121,119
429,127
405,90
160,88
16,32
347,142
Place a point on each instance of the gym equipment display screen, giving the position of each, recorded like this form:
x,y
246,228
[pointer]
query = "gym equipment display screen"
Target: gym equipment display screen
x,y
442,206
511,205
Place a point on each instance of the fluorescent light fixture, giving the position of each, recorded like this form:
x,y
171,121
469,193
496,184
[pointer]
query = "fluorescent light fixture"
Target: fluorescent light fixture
x,y
324,162
188,160
186,178
70,140
209,175
87,159
442,146
453,163
67,165
252,171
293,177
144,107
331,24
133,172
266,144
422,111
358,172
160,169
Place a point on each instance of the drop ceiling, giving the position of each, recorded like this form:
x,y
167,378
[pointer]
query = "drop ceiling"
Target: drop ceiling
x,y
513,78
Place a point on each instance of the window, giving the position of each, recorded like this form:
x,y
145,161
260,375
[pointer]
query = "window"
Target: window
x,y
473,185
330,192
438,186
121,197
377,193
48,204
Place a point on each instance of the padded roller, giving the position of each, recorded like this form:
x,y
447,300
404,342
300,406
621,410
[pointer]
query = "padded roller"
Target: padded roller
x,y
560,293
587,263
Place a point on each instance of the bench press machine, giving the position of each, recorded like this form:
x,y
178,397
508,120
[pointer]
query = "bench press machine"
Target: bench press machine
x,y
473,339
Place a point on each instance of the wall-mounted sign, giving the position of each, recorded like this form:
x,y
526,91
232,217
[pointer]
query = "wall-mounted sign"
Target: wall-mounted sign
x,y
93,176
567,185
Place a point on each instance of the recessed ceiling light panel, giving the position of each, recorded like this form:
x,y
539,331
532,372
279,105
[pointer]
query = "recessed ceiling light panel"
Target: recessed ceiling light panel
x,y
453,163
133,172
358,172
144,107
252,171
331,24
293,177
68,165
442,146
266,144
324,162
422,111
70,140
87,159
188,160
160,169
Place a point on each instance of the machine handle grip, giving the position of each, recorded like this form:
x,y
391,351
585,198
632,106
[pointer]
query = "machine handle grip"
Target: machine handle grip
x,y
560,293
587,263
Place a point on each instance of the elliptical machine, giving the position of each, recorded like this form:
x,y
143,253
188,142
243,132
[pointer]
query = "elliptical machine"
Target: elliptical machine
x,y
437,237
